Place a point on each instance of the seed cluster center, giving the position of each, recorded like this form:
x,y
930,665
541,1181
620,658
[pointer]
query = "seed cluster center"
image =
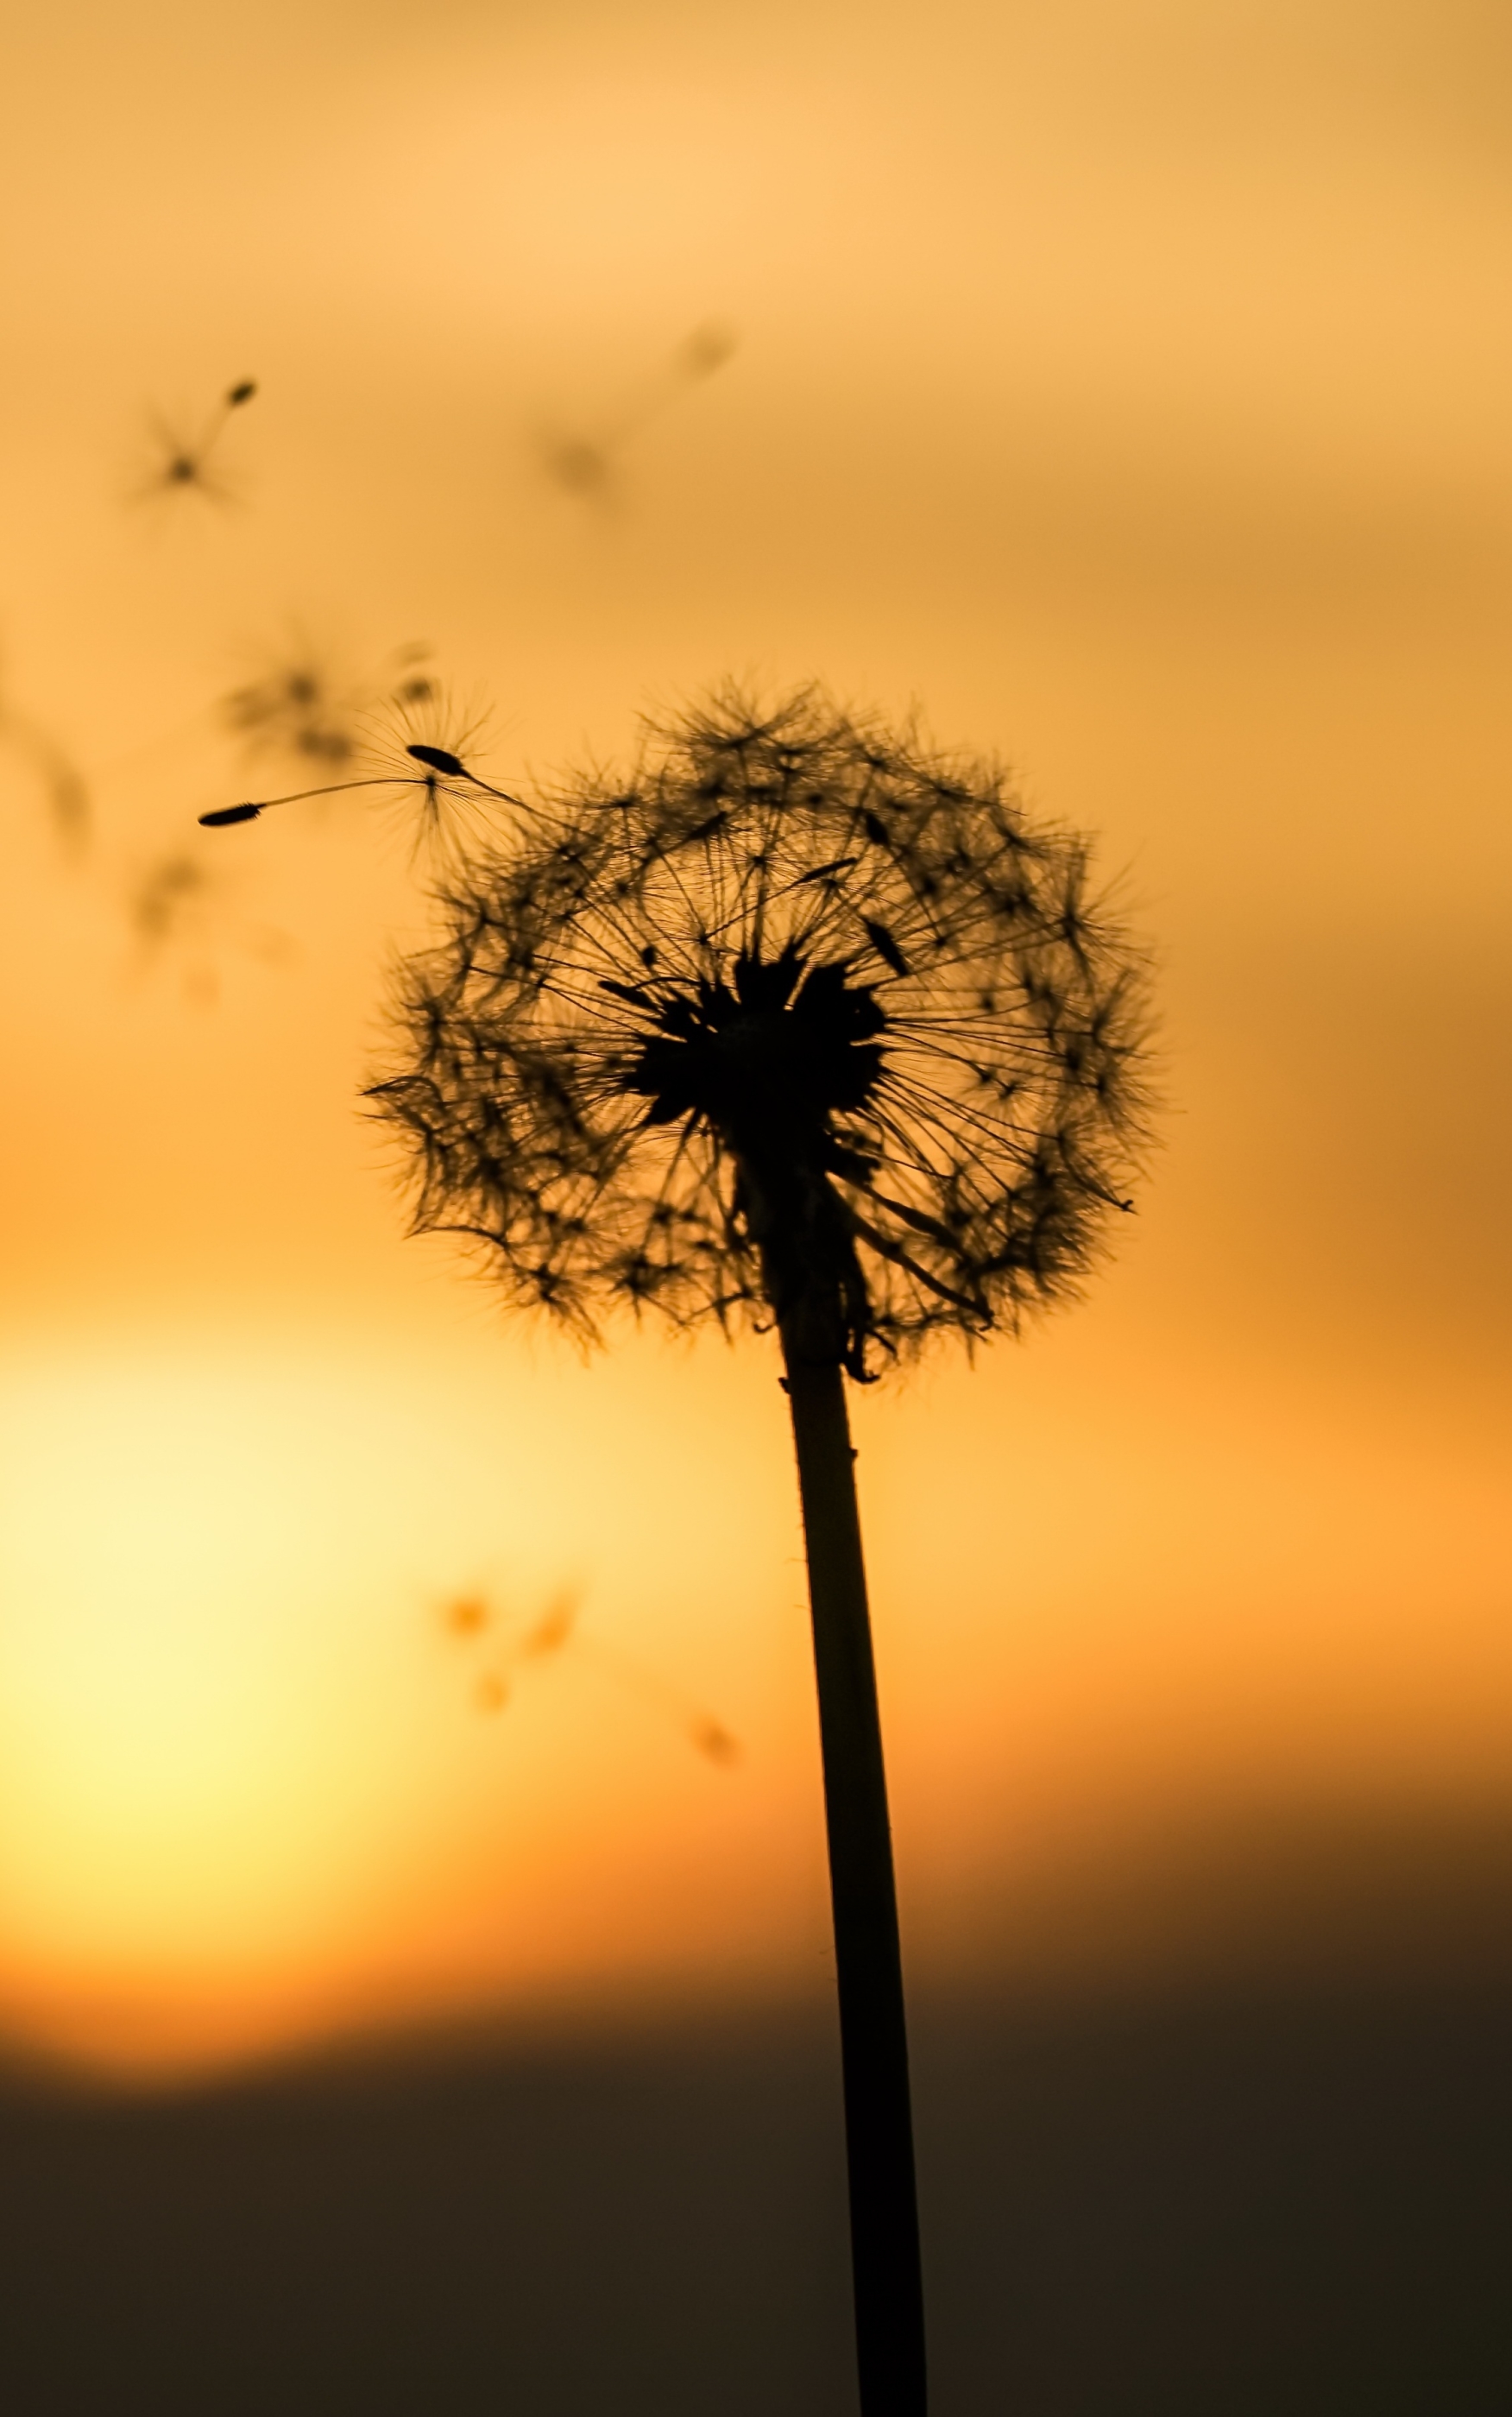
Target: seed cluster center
x,y
766,1057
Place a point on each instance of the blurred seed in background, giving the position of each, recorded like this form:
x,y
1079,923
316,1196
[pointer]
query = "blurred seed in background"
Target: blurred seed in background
x,y
184,461
301,706
587,461
472,1620
178,910
49,769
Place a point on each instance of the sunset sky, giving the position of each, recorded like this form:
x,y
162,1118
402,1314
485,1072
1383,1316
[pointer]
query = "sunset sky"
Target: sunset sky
x,y
1126,385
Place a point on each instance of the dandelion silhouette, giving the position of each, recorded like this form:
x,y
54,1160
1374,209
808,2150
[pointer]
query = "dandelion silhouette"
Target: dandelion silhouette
x,y
802,1026
186,461
469,1617
588,464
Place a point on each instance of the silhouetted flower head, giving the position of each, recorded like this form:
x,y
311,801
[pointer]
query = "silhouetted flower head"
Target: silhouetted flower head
x,y
801,1021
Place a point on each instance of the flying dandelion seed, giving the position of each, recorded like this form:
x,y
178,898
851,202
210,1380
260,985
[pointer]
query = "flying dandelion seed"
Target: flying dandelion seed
x,y
61,784
707,1736
586,463
175,906
806,1027
552,1631
296,711
411,769
68,797
406,682
468,1617
707,349
580,466
167,895
184,461
300,707
167,910
713,1741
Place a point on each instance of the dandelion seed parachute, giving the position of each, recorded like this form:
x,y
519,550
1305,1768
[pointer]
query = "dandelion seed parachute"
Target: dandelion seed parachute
x,y
184,461
802,1021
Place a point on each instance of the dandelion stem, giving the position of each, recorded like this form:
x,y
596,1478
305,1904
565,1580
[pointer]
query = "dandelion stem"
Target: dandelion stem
x,y
884,2240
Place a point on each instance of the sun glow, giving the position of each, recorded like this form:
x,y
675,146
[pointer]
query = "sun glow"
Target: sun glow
x,y
254,1782
192,1658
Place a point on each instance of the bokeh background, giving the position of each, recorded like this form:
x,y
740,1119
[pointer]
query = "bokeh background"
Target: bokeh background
x,y
1126,386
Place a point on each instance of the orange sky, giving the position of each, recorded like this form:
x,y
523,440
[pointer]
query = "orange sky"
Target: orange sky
x,y
1128,386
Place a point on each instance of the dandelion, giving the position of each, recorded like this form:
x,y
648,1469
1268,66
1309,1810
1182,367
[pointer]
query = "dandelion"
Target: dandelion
x,y
806,1028
185,460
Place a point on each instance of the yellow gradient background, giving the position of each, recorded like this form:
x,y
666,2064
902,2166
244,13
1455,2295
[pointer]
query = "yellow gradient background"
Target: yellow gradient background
x,y
1126,385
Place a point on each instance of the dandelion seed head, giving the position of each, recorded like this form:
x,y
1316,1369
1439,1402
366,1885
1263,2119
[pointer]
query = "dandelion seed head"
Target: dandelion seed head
x,y
804,1022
